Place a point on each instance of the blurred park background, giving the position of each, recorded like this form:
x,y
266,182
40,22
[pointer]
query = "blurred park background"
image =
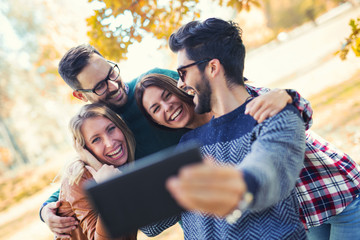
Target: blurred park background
x,y
309,45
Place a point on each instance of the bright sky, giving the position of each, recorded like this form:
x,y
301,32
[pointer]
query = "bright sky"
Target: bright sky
x,y
145,55
141,56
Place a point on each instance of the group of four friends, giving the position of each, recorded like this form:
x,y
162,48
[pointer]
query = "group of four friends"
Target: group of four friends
x,y
254,142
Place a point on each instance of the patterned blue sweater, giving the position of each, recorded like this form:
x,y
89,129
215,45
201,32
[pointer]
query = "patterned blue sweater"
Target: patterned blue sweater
x,y
270,155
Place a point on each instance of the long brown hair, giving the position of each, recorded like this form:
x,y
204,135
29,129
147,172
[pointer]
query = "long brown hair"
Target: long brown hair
x,y
164,82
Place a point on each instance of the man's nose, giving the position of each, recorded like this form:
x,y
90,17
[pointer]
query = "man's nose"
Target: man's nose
x,y
113,86
180,83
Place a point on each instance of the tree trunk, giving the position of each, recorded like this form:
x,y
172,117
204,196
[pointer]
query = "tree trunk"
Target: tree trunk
x,y
17,155
267,10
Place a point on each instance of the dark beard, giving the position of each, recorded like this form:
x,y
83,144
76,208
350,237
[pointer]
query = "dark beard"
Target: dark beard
x,y
204,104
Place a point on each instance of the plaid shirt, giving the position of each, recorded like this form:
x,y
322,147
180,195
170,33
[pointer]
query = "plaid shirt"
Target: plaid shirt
x,y
330,179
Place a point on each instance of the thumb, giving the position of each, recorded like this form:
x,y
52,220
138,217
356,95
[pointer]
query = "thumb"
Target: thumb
x,y
57,204
91,170
53,205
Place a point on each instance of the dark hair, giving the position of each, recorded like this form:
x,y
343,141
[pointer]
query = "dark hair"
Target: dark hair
x,y
163,82
213,39
73,62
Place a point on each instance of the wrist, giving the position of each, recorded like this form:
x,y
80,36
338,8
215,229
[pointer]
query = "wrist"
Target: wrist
x,y
291,96
242,206
40,213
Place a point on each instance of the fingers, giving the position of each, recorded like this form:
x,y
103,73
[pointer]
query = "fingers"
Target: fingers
x,y
63,233
207,188
86,156
253,106
58,222
52,205
62,226
62,236
261,116
91,170
105,172
267,105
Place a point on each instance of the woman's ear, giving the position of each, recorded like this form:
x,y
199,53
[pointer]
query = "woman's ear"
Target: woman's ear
x,y
80,95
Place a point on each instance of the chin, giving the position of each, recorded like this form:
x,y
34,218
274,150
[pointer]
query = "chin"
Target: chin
x,y
122,161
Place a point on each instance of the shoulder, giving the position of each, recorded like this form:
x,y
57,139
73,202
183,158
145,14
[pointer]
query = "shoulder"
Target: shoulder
x,y
289,112
75,174
288,120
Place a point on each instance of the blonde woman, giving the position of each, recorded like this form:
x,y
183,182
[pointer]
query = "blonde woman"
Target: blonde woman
x,y
104,142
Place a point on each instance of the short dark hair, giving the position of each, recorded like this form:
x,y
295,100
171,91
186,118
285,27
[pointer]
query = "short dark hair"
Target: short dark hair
x,y
163,82
213,39
73,62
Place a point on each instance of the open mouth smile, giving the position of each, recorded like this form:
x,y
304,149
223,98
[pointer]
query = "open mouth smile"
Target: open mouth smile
x,y
116,153
176,114
117,95
189,91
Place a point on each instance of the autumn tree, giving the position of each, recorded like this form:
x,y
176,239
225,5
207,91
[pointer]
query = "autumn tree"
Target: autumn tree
x,y
35,107
116,25
352,42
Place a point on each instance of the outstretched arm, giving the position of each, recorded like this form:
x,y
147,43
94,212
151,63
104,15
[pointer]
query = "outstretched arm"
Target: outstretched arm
x,y
268,171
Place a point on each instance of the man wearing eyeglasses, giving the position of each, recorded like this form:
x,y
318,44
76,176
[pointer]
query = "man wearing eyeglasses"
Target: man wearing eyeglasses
x,y
95,79
111,83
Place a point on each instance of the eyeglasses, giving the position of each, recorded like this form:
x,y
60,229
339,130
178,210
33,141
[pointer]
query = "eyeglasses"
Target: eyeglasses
x,y
102,86
182,72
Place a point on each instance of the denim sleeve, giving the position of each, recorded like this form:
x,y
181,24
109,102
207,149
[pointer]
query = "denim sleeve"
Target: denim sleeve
x,y
155,229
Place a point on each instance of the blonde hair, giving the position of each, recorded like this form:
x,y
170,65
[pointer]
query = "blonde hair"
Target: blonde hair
x,y
76,168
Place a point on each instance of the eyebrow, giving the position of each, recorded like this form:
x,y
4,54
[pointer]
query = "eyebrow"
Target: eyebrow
x,y
162,96
109,72
92,137
96,135
107,76
179,67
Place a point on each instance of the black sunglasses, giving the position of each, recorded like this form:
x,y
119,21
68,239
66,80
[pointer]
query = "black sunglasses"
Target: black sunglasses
x,y
102,86
182,72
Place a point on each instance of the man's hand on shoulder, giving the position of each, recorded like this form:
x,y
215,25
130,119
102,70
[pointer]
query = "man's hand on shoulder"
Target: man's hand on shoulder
x,y
60,226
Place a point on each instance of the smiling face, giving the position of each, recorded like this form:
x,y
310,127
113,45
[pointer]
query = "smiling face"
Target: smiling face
x,y
97,70
166,108
195,83
105,141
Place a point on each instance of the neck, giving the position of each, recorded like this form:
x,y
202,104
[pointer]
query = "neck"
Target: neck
x,y
200,119
225,99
